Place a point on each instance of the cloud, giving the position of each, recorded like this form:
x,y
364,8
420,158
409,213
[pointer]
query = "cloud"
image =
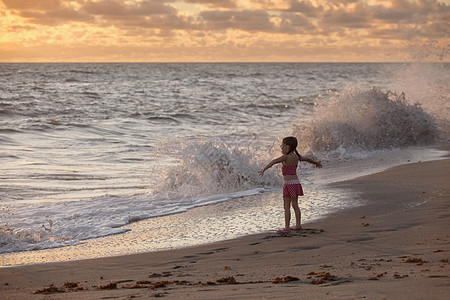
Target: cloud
x,y
21,28
47,12
216,3
417,12
282,16
162,22
355,16
44,5
407,19
115,8
192,25
296,24
246,20
306,8
56,17
437,29
145,14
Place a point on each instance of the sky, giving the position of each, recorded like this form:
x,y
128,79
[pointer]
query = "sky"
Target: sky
x,y
224,30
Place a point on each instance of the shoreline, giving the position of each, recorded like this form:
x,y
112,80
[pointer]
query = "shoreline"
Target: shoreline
x,y
230,219
396,245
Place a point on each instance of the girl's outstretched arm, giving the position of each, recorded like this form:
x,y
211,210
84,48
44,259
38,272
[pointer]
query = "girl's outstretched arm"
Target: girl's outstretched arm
x,y
311,161
273,162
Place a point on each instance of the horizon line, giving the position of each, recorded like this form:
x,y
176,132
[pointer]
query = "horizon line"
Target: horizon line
x,y
216,62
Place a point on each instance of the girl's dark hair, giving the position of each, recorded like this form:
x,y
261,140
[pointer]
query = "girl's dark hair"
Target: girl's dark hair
x,y
292,143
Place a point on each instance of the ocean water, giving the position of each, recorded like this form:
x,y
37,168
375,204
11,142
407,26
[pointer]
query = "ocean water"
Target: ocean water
x,y
127,158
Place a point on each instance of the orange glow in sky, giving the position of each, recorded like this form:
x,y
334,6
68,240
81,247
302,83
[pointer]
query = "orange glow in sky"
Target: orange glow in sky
x,y
224,30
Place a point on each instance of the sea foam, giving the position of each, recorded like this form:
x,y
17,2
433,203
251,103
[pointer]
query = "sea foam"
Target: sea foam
x,y
365,120
206,172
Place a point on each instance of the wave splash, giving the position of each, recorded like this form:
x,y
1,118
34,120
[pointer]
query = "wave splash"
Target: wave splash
x,y
211,167
365,120
206,172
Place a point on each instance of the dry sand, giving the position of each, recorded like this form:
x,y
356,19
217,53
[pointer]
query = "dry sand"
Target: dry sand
x,y
396,246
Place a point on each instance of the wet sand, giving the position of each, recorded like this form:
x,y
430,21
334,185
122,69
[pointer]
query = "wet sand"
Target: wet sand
x,y
395,246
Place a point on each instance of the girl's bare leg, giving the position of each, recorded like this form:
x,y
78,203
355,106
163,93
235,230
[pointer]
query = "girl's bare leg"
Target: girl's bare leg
x,y
298,214
287,212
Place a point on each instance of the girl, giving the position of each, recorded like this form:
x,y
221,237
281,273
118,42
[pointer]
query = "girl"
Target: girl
x,y
291,187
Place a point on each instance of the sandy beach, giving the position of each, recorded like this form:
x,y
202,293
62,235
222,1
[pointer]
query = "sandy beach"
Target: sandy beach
x,y
395,246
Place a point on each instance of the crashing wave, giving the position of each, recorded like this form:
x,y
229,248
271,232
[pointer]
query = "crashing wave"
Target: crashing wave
x,y
366,120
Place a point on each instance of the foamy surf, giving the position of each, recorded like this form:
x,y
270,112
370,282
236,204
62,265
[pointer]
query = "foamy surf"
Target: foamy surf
x,y
206,173
52,225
